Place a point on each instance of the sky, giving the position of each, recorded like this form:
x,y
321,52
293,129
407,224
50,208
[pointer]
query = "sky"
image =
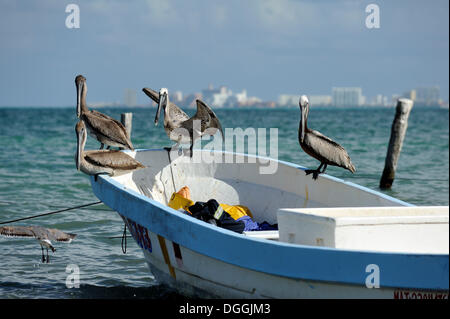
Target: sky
x,y
268,47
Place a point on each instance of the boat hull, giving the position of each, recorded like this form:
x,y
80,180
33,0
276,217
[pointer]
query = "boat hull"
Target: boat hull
x,y
199,259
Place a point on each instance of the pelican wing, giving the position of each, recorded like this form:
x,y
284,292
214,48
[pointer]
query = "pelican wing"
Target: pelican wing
x,y
328,150
213,119
16,231
177,113
113,159
108,118
107,126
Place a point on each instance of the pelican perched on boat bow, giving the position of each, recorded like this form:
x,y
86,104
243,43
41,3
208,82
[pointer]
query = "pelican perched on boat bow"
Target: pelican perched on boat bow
x,y
111,162
317,145
178,126
100,126
42,234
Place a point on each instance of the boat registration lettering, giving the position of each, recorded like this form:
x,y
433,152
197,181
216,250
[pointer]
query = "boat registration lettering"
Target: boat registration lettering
x,y
140,234
412,294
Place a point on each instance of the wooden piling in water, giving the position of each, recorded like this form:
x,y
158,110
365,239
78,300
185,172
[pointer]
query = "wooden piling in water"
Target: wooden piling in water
x,y
127,120
398,131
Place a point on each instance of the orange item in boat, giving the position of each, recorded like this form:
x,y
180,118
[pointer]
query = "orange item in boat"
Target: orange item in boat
x,y
185,192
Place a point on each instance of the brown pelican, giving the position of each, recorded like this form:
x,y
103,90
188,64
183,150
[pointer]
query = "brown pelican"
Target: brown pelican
x,y
98,162
42,234
102,127
317,145
177,124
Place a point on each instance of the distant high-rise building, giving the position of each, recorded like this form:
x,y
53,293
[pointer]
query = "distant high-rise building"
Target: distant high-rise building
x,y
322,100
428,95
130,97
347,96
288,100
176,96
216,97
412,95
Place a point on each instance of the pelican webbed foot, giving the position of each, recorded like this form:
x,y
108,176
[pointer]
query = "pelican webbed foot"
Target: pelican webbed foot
x,y
317,171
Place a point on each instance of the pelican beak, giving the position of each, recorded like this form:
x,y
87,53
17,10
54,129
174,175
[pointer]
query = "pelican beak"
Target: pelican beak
x,y
80,141
78,157
162,102
78,98
303,124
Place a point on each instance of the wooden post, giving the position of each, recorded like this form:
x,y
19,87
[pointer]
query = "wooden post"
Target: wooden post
x,y
398,131
127,120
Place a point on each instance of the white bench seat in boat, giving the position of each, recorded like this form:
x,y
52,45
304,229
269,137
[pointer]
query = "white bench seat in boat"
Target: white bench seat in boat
x,y
263,234
417,229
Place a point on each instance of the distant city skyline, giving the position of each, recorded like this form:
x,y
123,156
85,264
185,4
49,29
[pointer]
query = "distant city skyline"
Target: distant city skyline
x,y
223,96
268,47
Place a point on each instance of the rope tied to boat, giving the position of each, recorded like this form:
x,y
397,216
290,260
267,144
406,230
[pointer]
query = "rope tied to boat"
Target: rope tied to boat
x,y
51,213
124,238
171,171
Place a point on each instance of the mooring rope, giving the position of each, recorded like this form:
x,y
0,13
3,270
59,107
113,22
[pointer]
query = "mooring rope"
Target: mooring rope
x,y
50,213
124,237
171,172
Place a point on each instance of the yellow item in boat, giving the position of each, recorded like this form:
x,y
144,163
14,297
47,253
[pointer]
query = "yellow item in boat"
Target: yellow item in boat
x,y
177,201
180,200
236,211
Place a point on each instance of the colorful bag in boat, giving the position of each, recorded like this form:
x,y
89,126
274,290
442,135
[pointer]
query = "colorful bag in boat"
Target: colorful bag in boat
x,y
177,201
213,213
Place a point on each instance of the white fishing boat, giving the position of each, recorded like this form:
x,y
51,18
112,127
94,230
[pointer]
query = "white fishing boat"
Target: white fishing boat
x,y
335,239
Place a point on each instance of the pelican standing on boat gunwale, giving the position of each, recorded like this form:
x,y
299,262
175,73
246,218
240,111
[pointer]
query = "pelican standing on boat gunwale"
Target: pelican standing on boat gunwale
x,y
100,126
95,162
317,145
42,234
177,124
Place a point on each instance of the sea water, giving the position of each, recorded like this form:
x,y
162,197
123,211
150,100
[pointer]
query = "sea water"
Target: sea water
x,y
38,175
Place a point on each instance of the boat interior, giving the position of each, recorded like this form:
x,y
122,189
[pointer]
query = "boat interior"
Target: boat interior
x,y
261,184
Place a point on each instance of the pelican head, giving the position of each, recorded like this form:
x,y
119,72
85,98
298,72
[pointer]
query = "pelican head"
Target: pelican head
x,y
80,130
80,82
304,109
163,101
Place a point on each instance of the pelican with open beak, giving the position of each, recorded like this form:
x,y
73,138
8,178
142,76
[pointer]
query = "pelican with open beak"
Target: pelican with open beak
x,y
179,127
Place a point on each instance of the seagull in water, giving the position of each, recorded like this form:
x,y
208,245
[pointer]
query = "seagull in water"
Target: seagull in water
x,y
177,124
317,145
42,234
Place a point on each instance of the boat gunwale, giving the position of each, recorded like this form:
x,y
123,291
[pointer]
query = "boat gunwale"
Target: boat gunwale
x,y
301,261
293,165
